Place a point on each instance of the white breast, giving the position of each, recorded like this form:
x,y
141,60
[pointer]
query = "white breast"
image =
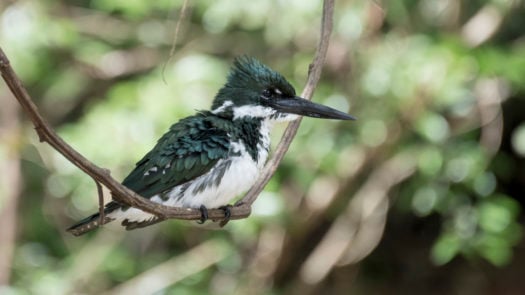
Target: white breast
x,y
238,178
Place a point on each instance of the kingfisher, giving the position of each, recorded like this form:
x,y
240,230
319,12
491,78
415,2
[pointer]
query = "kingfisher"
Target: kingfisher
x,y
206,160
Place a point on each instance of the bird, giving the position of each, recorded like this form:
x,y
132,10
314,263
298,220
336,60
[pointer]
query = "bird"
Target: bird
x,y
206,160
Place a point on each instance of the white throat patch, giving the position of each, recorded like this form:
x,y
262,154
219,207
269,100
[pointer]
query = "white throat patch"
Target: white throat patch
x,y
252,111
223,107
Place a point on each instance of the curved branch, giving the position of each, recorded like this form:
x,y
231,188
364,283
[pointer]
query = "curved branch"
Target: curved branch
x,y
124,195
314,74
119,192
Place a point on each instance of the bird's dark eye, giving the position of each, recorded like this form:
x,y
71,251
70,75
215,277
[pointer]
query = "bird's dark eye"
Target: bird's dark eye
x,y
271,93
267,93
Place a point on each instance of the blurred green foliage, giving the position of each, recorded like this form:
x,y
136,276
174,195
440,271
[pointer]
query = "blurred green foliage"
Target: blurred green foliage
x,y
441,81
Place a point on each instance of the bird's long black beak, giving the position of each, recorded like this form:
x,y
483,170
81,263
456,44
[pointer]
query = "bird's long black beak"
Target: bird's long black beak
x,y
300,106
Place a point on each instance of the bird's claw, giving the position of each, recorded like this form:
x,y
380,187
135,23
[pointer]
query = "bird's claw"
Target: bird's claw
x,y
204,214
227,214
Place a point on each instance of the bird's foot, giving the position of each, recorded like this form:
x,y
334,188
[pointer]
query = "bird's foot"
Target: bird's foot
x,y
227,214
204,214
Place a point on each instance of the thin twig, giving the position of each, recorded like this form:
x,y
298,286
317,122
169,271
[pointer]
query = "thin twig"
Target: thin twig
x,y
100,203
182,16
122,194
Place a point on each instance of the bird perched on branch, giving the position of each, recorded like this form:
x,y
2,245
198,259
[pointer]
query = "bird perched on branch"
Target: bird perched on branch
x,y
206,160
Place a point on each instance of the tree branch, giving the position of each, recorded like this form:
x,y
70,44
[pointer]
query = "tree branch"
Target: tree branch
x,y
122,194
314,74
119,192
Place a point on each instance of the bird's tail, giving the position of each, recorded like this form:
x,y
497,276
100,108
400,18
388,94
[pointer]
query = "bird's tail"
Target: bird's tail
x,y
114,211
92,222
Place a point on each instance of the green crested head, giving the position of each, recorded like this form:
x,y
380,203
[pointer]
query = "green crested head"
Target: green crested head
x,y
247,80
254,90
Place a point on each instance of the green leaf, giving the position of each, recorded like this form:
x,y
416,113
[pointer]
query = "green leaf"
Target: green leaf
x,y
445,249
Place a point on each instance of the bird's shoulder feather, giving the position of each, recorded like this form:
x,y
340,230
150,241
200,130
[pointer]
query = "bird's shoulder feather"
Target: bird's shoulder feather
x,y
188,150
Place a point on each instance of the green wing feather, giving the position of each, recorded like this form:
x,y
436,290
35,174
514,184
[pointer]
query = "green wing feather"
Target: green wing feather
x,y
188,150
